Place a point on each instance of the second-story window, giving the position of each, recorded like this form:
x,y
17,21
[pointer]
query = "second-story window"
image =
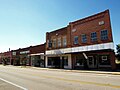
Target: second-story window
x,y
54,43
64,41
59,42
104,35
76,40
93,36
84,38
49,43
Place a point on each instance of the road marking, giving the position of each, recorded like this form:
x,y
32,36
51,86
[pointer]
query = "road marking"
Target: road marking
x,y
13,84
73,81
82,82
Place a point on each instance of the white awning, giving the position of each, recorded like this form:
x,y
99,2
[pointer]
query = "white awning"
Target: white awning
x,y
41,54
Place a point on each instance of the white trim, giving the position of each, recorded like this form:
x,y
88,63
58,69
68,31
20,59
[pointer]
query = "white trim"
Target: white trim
x,y
24,52
82,48
37,54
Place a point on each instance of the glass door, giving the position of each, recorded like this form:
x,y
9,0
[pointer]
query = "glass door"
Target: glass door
x,y
90,61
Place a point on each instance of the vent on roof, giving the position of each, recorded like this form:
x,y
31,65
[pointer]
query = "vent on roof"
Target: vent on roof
x,y
73,30
101,22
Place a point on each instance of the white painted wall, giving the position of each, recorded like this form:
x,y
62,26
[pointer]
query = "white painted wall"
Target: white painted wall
x,y
69,62
46,62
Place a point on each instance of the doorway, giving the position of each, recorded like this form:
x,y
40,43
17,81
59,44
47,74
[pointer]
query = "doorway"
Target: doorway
x,y
91,62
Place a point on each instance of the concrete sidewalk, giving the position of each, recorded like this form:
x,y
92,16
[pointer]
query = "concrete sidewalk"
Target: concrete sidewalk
x,y
65,70
76,71
80,71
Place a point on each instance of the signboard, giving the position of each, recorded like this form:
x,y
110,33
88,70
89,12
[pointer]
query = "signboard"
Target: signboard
x,y
13,53
24,52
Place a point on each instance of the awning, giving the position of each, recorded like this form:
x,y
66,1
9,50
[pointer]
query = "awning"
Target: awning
x,y
48,55
41,54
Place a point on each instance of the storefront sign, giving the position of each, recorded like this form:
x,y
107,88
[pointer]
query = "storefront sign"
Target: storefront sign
x,y
24,52
13,53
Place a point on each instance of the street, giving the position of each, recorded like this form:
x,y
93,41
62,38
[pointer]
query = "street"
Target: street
x,y
17,78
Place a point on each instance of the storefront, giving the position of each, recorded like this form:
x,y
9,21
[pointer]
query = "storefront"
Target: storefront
x,y
103,59
25,58
37,60
59,61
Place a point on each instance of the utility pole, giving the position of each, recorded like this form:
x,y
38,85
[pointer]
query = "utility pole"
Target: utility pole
x,y
10,56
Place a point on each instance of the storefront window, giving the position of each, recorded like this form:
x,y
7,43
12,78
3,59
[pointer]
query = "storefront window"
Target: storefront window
x,y
104,60
79,61
50,61
66,61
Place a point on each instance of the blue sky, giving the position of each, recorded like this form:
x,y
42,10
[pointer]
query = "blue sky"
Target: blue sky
x,y
25,22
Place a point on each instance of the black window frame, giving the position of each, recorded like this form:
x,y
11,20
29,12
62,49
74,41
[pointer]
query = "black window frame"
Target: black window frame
x,y
104,62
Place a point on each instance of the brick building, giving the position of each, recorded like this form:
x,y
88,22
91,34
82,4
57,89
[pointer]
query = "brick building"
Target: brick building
x,y
1,57
16,57
85,43
21,56
31,56
6,57
37,55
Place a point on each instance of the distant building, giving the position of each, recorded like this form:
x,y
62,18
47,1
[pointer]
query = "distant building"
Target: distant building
x,y
31,56
37,55
1,57
85,43
5,57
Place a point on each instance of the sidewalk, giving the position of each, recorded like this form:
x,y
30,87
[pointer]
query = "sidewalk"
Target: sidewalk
x,y
76,71
65,70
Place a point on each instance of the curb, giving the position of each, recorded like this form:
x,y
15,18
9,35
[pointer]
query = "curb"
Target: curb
x,y
65,70
78,71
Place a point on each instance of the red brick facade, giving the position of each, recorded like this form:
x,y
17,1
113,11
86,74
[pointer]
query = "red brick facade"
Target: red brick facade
x,y
91,35
85,43
83,26
37,49
24,54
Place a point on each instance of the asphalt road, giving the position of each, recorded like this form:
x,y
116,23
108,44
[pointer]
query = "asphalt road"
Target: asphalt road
x,y
34,79
8,86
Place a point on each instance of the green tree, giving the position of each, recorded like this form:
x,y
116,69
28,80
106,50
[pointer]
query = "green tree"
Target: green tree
x,y
118,51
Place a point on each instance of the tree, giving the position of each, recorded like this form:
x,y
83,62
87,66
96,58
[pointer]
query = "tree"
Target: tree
x,y
118,51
